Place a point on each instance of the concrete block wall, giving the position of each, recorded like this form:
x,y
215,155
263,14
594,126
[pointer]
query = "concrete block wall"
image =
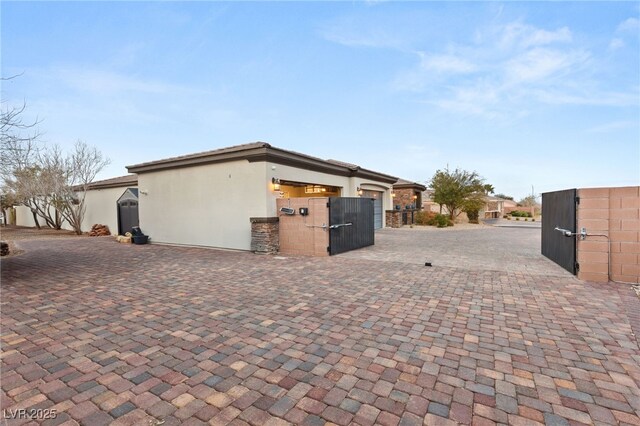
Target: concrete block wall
x,y
304,235
614,212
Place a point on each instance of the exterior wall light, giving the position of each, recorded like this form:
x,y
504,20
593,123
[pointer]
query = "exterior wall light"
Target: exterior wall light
x,y
393,194
360,191
276,184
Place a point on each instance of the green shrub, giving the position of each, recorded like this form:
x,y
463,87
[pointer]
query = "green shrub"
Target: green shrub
x,y
526,219
517,218
520,213
449,222
533,220
442,220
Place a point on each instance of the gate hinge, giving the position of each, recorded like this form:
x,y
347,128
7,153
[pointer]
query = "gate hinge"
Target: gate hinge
x,y
328,204
328,249
577,265
577,200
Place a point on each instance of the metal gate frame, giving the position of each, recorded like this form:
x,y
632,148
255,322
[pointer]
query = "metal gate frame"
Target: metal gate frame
x,y
559,211
351,224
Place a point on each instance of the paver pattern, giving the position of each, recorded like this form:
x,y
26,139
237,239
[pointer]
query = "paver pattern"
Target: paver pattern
x,y
108,333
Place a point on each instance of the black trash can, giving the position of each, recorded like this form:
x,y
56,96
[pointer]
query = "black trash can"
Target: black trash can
x,y
137,236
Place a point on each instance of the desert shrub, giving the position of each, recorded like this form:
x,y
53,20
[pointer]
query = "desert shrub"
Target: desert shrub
x,y
449,222
424,217
517,218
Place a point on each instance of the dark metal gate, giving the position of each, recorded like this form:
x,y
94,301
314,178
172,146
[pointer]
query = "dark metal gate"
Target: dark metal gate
x,y
559,211
127,215
351,223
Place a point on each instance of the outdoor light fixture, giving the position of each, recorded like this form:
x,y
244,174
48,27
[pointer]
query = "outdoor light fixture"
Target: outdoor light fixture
x,y
360,192
415,197
276,184
393,194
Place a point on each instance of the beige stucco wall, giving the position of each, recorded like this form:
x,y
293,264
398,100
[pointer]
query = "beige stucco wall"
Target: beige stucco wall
x,y
349,185
101,207
24,217
207,205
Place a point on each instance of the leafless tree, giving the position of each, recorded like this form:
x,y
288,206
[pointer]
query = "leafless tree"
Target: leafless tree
x,y
18,150
81,168
18,139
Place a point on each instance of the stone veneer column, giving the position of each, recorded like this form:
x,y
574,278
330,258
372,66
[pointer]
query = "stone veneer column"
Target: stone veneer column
x,y
393,218
265,237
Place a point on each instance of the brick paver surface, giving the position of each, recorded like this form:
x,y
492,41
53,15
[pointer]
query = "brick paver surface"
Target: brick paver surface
x,y
124,334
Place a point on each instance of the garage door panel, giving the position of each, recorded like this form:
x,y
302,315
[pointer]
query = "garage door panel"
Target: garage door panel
x,y
377,207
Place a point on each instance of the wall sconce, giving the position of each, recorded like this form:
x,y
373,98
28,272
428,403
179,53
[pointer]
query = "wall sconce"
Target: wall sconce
x,y
360,191
276,184
393,194
144,192
415,197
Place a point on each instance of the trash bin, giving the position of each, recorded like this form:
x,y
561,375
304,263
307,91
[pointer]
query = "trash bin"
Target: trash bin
x,y
137,236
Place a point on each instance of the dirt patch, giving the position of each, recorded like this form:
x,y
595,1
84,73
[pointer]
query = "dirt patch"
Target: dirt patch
x,y
17,233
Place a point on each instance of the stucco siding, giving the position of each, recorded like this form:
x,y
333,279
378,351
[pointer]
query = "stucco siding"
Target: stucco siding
x,y
348,185
102,208
206,205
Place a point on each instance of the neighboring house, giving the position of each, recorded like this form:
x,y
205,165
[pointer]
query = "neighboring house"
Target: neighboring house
x,y
494,207
106,199
208,198
407,194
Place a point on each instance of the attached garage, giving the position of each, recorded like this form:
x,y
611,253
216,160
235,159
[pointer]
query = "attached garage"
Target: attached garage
x,y
378,211
217,198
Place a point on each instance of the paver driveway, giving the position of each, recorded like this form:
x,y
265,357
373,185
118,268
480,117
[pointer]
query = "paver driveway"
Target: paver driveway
x,y
105,332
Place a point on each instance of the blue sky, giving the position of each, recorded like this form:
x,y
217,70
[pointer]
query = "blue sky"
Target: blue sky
x,y
537,93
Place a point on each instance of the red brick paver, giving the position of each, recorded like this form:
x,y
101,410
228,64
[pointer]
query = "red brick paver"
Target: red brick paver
x,y
106,332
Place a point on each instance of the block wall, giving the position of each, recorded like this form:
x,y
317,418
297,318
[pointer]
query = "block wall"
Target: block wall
x,y
614,212
304,235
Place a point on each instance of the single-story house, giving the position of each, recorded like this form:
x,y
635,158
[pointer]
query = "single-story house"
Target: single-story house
x,y
209,198
109,202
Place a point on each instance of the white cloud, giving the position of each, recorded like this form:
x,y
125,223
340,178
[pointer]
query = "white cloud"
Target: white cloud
x,y
629,25
108,82
519,35
540,63
614,125
446,64
350,32
616,43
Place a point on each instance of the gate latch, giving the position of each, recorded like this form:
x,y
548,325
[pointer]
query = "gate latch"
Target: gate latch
x,y
340,225
567,233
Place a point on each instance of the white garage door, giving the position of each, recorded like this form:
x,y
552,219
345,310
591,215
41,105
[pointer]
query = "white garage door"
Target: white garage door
x,y
377,207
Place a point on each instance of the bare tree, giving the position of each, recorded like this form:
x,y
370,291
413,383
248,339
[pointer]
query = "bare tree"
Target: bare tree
x,y
81,168
18,139
18,150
